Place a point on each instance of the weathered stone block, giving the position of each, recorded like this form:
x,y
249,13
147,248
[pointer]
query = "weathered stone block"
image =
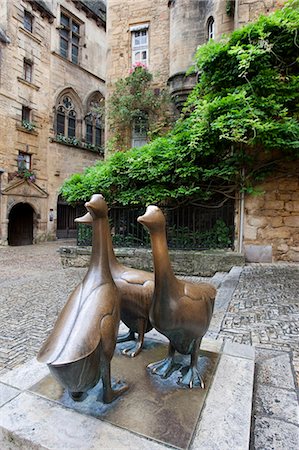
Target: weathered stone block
x,y
275,221
274,233
250,232
244,13
292,221
283,248
293,254
274,204
288,185
270,195
254,202
257,221
292,206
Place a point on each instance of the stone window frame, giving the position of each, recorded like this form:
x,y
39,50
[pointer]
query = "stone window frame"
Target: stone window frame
x,y
140,31
24,161
69,34
27,70
68,108
26,113
94,126
28,20
210,27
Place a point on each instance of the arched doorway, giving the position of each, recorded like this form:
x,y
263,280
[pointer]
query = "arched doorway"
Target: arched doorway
x,y
20,225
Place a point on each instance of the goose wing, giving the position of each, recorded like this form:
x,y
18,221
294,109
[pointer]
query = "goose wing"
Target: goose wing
x,y
200,291
135,276
77,331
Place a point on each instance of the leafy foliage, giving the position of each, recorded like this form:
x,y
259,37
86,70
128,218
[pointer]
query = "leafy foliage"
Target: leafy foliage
x,y
239,123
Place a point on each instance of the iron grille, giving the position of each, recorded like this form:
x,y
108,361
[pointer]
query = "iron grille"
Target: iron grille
x,y
188,227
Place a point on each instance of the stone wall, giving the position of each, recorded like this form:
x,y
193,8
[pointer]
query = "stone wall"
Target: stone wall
x,y
191,263
271,226
249,10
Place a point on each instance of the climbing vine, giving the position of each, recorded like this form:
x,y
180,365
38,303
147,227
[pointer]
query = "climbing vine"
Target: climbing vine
x,y
134,99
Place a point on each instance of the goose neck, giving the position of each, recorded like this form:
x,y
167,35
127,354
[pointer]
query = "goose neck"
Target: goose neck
x,y
99,254
161,259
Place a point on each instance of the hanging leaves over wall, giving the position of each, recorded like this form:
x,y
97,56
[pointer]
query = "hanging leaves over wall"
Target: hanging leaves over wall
x,y
240,122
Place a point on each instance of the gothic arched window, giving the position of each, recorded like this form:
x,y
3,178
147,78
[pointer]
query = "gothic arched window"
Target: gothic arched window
x,y
211,28
66,117
94,124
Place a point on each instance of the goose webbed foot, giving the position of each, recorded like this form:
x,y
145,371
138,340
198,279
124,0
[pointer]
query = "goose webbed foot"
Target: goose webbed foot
x,y
130,336
191,378
113,392
133,349
163,368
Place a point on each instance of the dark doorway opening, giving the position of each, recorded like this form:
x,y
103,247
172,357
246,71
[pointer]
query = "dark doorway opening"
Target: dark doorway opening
x,y
66,214
20,225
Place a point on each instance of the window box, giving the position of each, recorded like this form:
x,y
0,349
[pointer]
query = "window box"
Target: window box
x,y
29,126
74,142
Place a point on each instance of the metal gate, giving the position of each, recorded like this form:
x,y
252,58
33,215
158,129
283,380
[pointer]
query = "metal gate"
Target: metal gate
x,y
66,214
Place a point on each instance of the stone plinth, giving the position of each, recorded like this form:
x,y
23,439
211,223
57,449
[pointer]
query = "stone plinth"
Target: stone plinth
x,y
36,414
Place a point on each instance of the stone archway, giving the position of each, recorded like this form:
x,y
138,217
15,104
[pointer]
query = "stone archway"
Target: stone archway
x,y
20,225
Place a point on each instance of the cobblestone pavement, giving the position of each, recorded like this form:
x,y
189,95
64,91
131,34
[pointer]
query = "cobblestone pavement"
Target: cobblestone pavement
x,y
263,311
33,289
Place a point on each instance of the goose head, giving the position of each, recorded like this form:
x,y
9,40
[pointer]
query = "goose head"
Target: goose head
x,y
97,207
153,219
86,219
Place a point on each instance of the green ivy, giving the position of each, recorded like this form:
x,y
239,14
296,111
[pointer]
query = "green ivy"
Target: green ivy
x,y
239,123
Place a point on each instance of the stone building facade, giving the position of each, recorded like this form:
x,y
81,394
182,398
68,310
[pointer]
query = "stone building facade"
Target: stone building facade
x,y
266,226
52,79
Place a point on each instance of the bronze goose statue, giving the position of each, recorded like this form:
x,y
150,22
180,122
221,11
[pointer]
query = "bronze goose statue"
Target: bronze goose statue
x,y
136,289
80,348
180,310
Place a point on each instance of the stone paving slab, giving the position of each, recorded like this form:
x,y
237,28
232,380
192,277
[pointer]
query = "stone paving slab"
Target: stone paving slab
x,y
29,421
224,426
273,434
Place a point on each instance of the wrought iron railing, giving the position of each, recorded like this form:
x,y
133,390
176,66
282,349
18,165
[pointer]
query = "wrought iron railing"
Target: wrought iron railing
x,y
188,227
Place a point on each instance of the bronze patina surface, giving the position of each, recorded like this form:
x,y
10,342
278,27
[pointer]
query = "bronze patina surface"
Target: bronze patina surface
x,y
136,288
156,408
80,348
180,310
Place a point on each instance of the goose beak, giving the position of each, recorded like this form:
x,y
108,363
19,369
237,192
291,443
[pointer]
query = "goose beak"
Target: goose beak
x,y
153,218
147,215
92,202
140,219
87,219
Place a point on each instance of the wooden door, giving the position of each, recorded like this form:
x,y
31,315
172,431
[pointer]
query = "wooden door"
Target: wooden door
x,y
20,225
